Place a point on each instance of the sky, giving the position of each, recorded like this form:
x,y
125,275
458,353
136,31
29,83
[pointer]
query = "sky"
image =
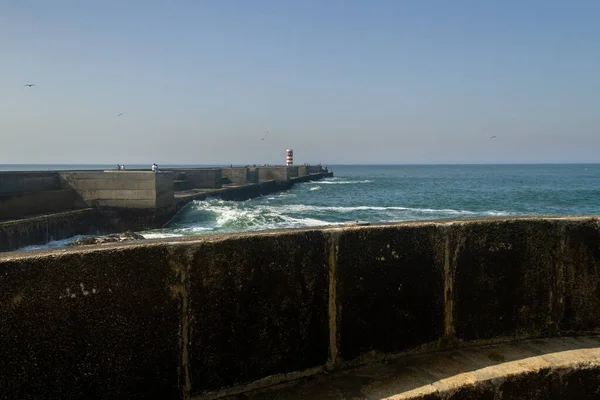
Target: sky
x,y
339,82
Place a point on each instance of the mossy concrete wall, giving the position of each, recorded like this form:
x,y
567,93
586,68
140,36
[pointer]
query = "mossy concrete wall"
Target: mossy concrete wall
x,y
190,316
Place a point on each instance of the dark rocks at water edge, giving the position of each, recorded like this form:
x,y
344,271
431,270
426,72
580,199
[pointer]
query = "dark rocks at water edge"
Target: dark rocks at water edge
x,y
117,237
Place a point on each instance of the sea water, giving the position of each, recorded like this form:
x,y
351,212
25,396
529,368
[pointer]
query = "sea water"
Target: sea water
x,y
399,193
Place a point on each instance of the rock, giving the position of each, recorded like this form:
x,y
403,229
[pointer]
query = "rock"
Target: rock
x,y
116,237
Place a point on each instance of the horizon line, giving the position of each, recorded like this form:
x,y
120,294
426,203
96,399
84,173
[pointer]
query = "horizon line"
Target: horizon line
x,y
334,164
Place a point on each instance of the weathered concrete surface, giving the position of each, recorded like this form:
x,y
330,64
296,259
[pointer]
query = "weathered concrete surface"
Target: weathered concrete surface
x,y
531,277
578,275
164,190
17,205
122,189
90,324
390,289
504,274
559,368
258,307
277,173
314,169
237,175
264,308
42,229
27,182
233,193
201,177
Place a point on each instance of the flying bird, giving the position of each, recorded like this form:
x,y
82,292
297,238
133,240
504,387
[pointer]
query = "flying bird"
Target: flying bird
x,y
29,84
119,115
493,137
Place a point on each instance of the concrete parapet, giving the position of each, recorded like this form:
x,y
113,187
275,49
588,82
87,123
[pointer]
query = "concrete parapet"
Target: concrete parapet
x,y
290,334
73,329
390,289
17,205
302,170
277,173
207,316
201,177
237,175
253,175
292,172
122,189
45,228
26,182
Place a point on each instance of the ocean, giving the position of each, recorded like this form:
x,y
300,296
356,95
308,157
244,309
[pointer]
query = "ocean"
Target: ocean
x,y
377,193
402,193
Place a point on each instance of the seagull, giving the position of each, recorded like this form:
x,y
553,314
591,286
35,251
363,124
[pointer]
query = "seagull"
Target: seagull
x,y
263,138
493,137
29,84
119,115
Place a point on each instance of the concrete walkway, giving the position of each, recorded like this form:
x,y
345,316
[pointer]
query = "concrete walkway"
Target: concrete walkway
x,y
537,369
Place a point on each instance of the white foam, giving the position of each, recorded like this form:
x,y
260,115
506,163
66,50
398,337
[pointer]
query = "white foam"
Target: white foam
x,y
338,182
159,235
54,244
302,208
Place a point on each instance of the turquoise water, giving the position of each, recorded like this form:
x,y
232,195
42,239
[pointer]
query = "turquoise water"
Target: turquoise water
x,y
402,193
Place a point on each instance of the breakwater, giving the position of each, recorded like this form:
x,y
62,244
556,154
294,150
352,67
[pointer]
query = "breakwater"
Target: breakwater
x,y
206,317
36,207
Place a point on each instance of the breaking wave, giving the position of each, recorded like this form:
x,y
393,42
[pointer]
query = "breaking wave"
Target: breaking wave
x,y
219,216
333,181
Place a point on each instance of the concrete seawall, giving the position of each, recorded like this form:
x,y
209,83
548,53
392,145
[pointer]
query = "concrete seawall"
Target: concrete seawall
x,y
210,316
121,201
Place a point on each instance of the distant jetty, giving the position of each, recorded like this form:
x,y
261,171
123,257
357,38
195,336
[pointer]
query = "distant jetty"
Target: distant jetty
x,y
38,207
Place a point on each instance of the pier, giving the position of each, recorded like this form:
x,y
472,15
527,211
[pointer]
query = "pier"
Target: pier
x,y
41,206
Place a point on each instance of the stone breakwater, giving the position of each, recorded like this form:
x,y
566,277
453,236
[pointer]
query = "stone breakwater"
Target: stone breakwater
x,y
37,207
214,316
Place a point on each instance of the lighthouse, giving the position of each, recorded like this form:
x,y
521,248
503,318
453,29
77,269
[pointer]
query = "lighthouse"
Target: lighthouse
x,y
289,157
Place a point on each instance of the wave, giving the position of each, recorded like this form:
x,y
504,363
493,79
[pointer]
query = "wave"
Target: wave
x,y
315,188
331,181
301,208
226,216
53,244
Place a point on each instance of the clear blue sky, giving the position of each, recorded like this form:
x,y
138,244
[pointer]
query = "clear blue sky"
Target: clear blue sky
x,y
338,81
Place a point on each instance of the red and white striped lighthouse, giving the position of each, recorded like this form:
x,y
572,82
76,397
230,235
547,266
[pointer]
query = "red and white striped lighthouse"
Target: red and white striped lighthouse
x,y
289,157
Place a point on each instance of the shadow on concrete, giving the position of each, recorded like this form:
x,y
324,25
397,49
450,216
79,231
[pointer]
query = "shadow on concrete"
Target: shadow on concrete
x,y
432,375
